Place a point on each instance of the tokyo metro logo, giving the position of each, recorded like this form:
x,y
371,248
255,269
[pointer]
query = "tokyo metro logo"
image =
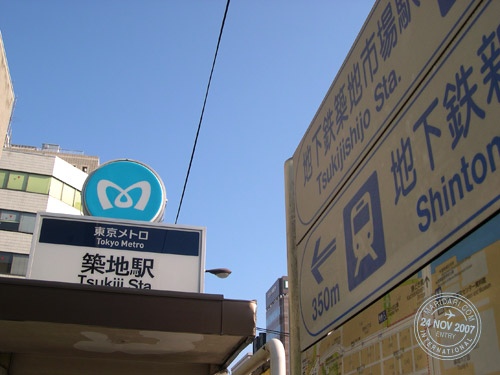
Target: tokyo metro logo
x,y
124,189
118,202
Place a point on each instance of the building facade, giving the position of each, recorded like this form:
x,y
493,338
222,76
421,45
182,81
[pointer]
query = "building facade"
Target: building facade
x,y
6,98
30,183
277,314
78,159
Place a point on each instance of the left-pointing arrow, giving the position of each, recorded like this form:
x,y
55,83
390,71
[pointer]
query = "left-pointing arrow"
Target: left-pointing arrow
x,y
320,257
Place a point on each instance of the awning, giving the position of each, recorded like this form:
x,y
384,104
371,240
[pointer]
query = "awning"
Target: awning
x,y
61,328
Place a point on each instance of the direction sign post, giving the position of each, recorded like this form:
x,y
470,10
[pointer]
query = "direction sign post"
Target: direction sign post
x,y
431,174
392,54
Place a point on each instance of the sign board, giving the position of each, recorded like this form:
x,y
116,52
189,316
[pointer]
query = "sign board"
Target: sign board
x,y
431,178
124,189
117,253
392,54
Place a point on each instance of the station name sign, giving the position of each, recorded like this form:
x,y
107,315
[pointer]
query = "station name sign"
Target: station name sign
x,y
98,251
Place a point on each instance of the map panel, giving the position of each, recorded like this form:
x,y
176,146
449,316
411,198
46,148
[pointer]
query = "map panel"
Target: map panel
x,y
381,340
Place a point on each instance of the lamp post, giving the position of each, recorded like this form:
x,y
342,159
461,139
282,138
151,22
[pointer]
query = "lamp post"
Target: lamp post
x,y
221,273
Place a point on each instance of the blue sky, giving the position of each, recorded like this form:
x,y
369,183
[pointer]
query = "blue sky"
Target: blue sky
x,y
127,79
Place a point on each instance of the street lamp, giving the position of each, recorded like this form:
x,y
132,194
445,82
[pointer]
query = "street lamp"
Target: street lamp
x,y
221,273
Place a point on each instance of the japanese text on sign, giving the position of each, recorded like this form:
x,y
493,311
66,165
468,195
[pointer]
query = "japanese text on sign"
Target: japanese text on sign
x,y
114,237
379,74
343,127
114,270
463,115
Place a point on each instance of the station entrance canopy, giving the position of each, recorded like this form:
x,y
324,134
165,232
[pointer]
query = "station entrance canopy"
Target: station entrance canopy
x,y
61,328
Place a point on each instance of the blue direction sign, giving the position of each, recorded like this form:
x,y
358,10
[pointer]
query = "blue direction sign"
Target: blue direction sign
x,y
430,179
398,45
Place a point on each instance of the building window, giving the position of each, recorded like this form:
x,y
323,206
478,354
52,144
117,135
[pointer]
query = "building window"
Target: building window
x,y
16,221
13,264
78,200
56,188
27,223
9,220
16,180
68,195
3,178
36,183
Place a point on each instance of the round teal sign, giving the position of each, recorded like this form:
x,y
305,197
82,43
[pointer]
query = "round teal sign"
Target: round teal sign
x,y
124,189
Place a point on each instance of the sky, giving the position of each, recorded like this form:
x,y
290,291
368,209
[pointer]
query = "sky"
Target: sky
x,y
127,79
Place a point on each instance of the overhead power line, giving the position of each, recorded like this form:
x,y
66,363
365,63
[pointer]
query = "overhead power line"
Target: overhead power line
x,y
202,111
272,331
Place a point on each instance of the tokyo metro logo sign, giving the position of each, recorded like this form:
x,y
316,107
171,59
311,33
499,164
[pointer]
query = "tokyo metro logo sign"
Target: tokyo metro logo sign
x,y
124,189
106,204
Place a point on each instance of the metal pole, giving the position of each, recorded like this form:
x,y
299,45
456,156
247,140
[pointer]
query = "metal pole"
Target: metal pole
x,y
272,350
293,278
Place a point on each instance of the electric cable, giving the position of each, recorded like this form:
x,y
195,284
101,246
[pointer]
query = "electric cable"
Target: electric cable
x,y
202,112
272,331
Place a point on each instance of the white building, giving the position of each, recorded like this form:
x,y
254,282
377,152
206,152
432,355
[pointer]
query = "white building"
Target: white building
x,y
30,183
